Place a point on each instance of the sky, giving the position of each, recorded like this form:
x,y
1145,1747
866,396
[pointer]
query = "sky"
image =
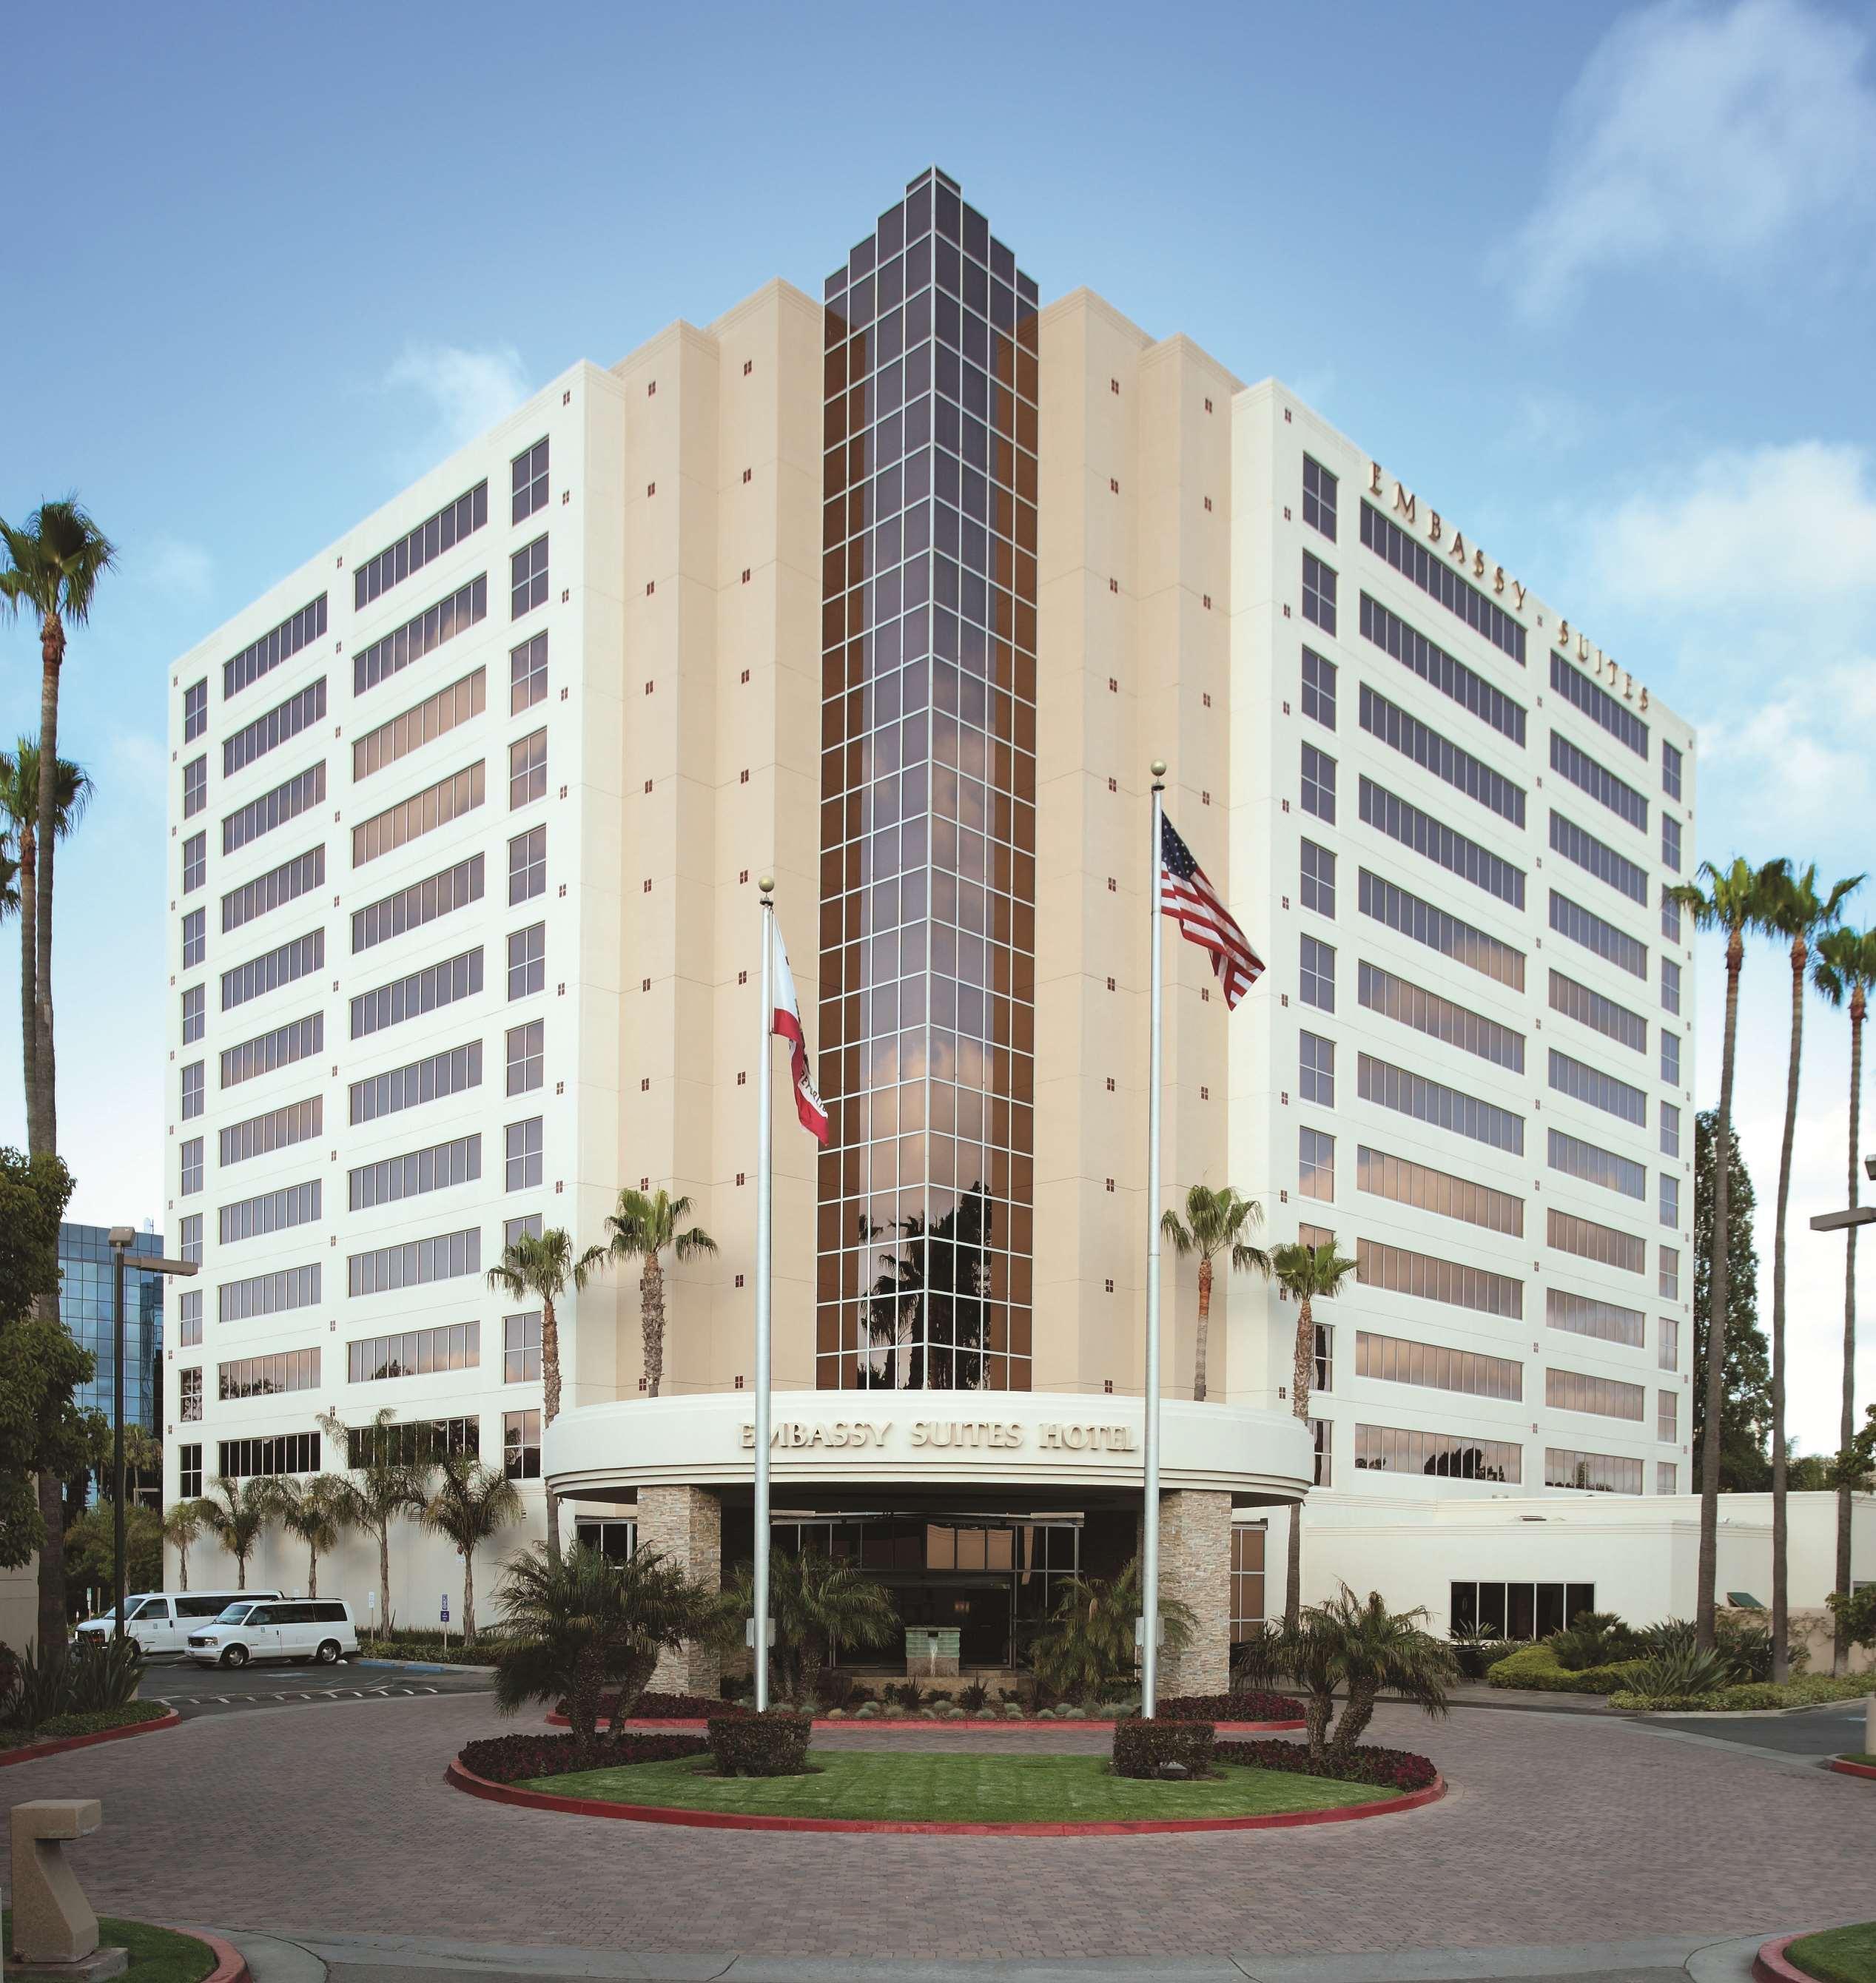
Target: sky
x,y
1596,279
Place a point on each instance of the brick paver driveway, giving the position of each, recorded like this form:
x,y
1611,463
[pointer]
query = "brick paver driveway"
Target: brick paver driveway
x,y
1557,1830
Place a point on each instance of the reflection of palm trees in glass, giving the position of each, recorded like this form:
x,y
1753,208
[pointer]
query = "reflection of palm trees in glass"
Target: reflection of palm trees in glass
x,y
927,1316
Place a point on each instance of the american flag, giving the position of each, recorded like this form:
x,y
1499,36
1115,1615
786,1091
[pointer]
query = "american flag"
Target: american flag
x,y
1190,901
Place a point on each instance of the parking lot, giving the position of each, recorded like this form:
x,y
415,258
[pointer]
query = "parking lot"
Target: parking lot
x,y
195,1690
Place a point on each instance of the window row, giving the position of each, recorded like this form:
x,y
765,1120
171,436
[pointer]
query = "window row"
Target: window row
x,y
446,983
435,535
1426,1278
1431,1102
278,887
261,1376
1598,780
1598,705
466,608
1589,1240
1408,916
434,1168
1598,1166
1397,1360
268,1294
437,1075
1583,1083
299,1039
259,657
1585,1315
1425,747
1445,1456
297,1122
1434,841
435,715
424,812
270,1212
417,1263
1600,1014
1612,946
1443,671
422,902
1439,1019
1435,576
414,1352
287,801
1429,1190
290,961
280,725
1597,858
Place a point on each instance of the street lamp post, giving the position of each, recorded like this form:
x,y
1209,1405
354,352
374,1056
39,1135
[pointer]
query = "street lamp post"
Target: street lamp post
x,y
122,1238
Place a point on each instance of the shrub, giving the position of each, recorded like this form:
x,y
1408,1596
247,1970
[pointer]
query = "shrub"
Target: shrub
x,y
82,1678
1153,1748
1594,1639
1257,1659
774,1745
834,1687
908,1693
666,1706
974,1697
1390,1769
1476,1649
507,1759
62,1726
1686,1670
1536,1667
1244,1706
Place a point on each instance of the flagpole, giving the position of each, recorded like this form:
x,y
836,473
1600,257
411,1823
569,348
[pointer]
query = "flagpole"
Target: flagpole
x,y
1149,1525
765,1193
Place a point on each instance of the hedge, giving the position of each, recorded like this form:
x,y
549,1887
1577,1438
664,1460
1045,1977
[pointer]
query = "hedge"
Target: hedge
x,y
1248,1707
650,1707
1809,1690
1389,1769
773,1744
63,1727
1536,1667
507,1759
1148,1748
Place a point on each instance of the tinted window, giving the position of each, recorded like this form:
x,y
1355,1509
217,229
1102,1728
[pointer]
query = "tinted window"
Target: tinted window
x,y
151,1607
334,1614
198,1607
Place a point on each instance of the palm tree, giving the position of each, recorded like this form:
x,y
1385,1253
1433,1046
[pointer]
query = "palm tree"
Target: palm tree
x,y
318,1511
1089,1641
470,1504
544,1266
1843,970
1736,899
1218,1221
54,564
1307,1275
386,1487
1800,915
19,825
183,1521
578,1623
1361,1649
644,1229
817,1606
238,1513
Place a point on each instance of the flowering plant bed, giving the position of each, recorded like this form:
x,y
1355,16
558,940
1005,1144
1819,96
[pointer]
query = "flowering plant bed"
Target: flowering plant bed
x,y
1388,1769
507,1759
1251,1706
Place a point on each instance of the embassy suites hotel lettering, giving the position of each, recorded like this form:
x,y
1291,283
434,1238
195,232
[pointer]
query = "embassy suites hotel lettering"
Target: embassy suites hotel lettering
x,y
948,1435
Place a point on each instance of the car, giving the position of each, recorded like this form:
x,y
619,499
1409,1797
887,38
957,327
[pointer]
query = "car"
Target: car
x,y
160,1621
316,1628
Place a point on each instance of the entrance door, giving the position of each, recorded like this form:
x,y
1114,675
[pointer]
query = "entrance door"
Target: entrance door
x,y
979,1611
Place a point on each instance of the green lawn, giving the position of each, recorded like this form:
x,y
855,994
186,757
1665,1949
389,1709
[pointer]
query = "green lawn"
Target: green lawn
x,y
156,1956
972,1790
1838,1955
1857,1756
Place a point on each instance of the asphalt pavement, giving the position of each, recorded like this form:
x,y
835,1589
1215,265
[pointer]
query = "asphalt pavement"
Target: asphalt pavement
x,y
194,1689
1835,1730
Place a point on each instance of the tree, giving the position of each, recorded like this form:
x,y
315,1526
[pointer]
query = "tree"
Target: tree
x,y
1089,1641
543,1267
19,826
1734,900
644,1229
91,1549
1215,1222
1843,970
577,1624
1361,1649
1745,1418
182,1523
469,1505
238,1513
318,1511
43,1432
1800,915
1307,1275
817,1606
387,1485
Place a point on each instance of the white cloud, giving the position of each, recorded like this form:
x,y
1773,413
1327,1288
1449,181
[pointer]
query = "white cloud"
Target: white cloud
x,y
185,571
139,763
1793,771
469,390
1700,136
1773,528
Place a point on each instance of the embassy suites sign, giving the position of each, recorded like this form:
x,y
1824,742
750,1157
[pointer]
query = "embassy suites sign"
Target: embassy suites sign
x,y
1450,541
949,1435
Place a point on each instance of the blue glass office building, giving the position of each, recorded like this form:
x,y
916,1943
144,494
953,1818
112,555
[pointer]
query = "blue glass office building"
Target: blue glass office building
x,y
86,1299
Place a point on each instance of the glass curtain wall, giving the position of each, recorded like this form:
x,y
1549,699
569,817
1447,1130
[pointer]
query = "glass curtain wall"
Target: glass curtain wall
x,y
927,883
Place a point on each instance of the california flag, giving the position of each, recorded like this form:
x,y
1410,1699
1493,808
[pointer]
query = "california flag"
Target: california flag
x,y
787,1021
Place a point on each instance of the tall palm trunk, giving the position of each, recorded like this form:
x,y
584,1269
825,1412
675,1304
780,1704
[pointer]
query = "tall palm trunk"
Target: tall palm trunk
x,y
28,956
1300,1378
1846,1429
44,1102
1717,1294
469,1597
1202,1341
312,1572
1780,1563
651,1307
550,1408
384,1575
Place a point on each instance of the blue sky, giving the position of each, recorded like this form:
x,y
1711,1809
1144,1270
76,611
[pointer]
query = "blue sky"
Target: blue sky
x,y
1597,280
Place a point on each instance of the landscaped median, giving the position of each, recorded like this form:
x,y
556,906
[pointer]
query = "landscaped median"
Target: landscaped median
x,y
1856,1764
759,1777
1247,1714
80,1731
1832,1955
1751,1696
163,1954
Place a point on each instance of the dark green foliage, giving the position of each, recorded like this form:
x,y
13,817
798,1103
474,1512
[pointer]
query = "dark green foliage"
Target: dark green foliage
x,y
1856,1614
1743,1641
82,1678
1257,1658
1537,1668
971,1698
507,1759
1477,1649
1745,1466
773,1744
1247,1705
90,1549
817,1604
1681,1669
1087,1644
62,1728
1596,1639
1391,1769
1150,1748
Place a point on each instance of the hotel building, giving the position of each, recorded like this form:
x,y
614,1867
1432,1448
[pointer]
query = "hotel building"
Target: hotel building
x,y
893,594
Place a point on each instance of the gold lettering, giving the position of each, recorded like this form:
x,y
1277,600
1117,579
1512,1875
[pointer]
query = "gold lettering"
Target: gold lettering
x,y
1563,633
1644,698
1404,502
1434,526
1583,647
1458,552
1478,564
1520,590
1374,478
1498,578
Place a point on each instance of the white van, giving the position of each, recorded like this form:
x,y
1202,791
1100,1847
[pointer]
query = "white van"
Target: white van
x,y
304,1628
160,1621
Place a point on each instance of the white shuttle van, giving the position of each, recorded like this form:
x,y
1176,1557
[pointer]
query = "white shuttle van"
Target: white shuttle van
x,y
298,1628
160,1621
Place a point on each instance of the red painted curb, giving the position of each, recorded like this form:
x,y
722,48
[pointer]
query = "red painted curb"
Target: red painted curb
x,y
1769,1965
60,1744
231,1966
726,1820
649,1727
1852,1769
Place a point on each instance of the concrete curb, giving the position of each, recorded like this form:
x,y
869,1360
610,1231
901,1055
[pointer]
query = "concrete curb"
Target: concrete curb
x,y
458,1778
231,1966
1843,1766
58,1745
646,1725
1771,1965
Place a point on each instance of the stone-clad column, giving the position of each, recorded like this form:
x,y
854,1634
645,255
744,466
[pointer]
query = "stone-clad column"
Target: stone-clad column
x,y
1195,1567
685,1525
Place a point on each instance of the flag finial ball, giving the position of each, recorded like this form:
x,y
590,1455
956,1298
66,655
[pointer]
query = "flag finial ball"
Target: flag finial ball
x,y
766,885
1158,767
